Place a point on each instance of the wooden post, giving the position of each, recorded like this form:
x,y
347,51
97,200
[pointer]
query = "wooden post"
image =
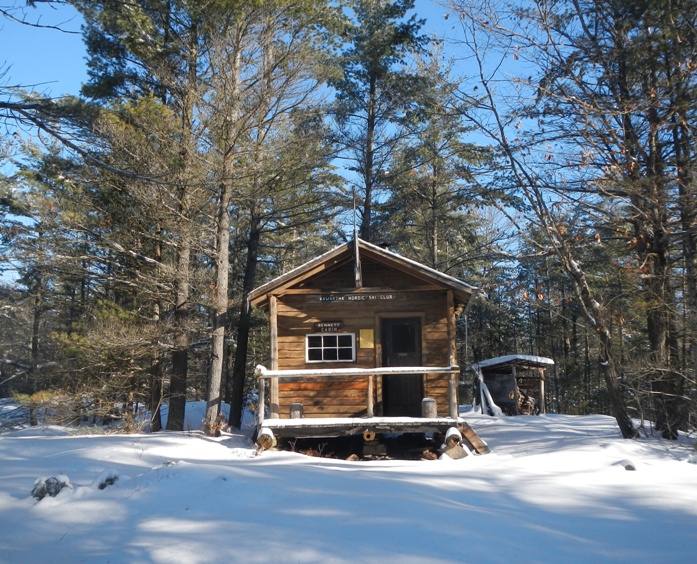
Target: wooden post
x,y
452,395
452,356
543,403
273,338
370,406
452,348
516,396
273,331
262,396
429,409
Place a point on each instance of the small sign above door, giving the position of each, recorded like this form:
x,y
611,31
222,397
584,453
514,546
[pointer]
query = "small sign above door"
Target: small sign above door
x,y
329,326
377,297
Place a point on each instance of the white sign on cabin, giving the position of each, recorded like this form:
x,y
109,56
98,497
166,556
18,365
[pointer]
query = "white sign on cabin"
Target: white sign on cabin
x,y
329,298
329,326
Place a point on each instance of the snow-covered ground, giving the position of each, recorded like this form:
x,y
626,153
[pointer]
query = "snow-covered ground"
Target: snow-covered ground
x,y
555,488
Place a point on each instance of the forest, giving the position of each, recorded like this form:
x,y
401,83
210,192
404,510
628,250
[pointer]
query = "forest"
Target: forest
x,y
543,151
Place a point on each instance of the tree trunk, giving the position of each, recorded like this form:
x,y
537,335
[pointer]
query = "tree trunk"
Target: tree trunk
x,y
617,403
180,354
595,313
688,219
667,384
369,165
36,326
221,298
156,395
239,370
651,233
156,386
220,301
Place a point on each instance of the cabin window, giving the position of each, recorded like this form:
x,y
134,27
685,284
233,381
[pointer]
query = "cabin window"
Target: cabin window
x,y
331,347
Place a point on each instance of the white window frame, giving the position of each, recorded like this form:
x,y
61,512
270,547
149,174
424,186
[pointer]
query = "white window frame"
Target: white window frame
x,y
323,336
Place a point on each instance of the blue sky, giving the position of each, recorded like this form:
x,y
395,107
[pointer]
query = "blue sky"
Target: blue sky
x,y
52,62
47,60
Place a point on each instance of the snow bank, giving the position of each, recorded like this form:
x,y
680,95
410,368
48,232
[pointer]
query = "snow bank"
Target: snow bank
x,y
554,489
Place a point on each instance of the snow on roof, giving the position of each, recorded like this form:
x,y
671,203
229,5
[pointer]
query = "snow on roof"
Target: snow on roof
x,y
524,359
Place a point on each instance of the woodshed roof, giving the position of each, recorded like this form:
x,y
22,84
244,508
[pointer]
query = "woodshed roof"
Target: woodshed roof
x,y
523,361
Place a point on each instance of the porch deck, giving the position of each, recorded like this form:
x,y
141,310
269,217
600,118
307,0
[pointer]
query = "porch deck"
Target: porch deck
x,y
327,427
322,427
451,372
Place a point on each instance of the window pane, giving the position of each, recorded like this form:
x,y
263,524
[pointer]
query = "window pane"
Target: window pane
x,y
336,347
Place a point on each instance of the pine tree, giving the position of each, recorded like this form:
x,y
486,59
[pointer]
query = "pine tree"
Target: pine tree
x,y
430,212
154,48
375,94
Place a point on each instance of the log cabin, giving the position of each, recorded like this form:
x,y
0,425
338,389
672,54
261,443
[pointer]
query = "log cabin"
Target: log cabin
x,y
362,340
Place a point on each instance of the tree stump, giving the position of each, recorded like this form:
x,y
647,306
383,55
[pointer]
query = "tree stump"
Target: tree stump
x,y
215,428
452,447
265,441
453,437
455,452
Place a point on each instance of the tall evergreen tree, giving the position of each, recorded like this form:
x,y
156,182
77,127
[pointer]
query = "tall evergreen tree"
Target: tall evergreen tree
x,y
156,48
430,211
375,94
265,128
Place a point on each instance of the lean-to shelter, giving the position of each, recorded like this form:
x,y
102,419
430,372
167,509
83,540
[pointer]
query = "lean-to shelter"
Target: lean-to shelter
x,y
515,384
359,337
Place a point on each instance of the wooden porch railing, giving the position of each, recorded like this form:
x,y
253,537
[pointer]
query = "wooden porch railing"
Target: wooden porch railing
x,y
263,373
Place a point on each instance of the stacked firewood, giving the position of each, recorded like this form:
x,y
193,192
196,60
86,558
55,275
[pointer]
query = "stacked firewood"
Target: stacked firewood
x,y
526,404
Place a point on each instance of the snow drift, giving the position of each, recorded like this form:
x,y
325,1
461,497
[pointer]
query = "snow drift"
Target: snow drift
x,y
554,488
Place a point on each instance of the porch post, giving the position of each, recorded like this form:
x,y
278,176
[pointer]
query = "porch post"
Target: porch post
x,y
262,397
452,395
273,337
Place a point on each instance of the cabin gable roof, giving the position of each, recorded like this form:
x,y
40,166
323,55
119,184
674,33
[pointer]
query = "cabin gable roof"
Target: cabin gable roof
x,y
323,265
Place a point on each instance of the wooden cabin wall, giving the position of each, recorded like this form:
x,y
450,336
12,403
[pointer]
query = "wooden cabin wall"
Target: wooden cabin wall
x,y
297,315
374,275
324,397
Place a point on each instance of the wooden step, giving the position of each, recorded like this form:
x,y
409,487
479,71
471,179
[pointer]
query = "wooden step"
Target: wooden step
x,y
473,439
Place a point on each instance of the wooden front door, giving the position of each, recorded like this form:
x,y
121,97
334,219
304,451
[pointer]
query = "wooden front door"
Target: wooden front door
x,y
401,346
